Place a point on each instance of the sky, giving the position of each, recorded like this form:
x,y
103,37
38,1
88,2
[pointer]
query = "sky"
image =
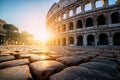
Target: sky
x,y
27,15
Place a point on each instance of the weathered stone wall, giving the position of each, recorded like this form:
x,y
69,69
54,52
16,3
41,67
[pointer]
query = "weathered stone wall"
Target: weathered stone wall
x,y
97,25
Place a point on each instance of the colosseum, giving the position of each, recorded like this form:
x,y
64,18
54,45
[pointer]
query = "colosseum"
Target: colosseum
x,y
84,23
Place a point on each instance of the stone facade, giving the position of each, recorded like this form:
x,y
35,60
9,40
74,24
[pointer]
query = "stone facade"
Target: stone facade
x,y
84,23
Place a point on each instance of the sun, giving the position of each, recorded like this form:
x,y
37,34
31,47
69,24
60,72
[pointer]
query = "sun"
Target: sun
x,y
42,37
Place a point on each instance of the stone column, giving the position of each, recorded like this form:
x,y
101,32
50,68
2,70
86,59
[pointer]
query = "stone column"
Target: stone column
x,y
109,20
96,39
82,7
75,40
95,21
61,41
67,14
74,12
67,42
67,27
93,4
74,24
84,23
110,40
85,39
106,3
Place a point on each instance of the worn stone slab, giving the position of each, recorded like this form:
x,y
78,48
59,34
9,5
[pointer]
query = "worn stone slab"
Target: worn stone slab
x,y
6,58
43,69
101,67
108,55
39,57
54,56
105,58
4,55
72,60
83,57
39,51
21,56
16,73
104,61
14,63
75,72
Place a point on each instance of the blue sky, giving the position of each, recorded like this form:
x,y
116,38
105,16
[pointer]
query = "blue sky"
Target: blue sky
x,y
28,15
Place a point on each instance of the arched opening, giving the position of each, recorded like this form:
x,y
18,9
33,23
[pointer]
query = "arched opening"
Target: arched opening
x,y
89,22
79,40
101,20
115,17
112,2
88,6
90,40
78,10
99,3
71,40
71,26
71,13
79,24
64,41
103,39
116,39
1,39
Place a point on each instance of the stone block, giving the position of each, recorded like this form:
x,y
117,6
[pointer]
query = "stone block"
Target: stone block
x,y
14,63
6,58
16,73
43,69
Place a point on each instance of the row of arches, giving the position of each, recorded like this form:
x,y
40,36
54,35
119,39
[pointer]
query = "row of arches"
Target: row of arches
x,y
103,39
88,6
101,20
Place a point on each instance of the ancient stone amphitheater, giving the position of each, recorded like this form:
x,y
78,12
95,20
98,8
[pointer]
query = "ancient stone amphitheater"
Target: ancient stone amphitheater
x,y
84,23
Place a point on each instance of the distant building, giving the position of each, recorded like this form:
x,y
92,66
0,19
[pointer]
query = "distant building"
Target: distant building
x,y
84,23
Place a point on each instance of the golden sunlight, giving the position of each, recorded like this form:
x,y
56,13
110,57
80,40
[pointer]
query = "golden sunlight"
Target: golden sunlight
x,y
42,36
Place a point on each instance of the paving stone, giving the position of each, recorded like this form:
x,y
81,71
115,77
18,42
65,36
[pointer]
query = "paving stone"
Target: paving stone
x,y
75,72
108,55
54,56
104,61
4,55
39,57
43,69
101,67
105,58
16,73
14,63
83,57
21,56
69,61
6,58
39,51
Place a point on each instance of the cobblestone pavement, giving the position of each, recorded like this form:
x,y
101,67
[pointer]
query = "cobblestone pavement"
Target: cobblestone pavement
x,y
58,63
